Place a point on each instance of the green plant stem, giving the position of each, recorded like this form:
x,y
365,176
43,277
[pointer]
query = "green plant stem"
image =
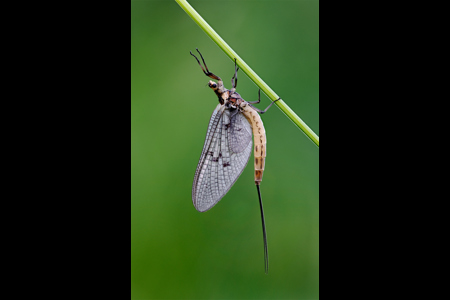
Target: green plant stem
x,y
247,70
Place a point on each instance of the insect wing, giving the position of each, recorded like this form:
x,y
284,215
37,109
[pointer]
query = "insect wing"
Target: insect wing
x,y
240,133
225,154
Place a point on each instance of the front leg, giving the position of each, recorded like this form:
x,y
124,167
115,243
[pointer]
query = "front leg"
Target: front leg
x,y
207,72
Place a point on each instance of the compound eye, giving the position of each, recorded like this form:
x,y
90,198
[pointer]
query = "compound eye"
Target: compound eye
x,y
212,84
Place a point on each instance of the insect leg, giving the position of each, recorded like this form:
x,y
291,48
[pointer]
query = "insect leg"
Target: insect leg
x,y
234,79
207,72
259,98
263,111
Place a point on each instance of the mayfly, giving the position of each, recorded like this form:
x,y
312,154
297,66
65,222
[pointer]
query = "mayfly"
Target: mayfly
x,y
228,146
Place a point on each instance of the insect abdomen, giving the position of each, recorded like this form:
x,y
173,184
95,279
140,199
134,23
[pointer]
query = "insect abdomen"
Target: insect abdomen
x,y
259,137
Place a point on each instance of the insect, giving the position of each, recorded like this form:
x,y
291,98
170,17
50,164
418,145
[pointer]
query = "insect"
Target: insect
x,y
228,146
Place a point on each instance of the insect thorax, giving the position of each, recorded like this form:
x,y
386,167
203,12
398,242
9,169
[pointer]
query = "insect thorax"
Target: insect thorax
x,y
227,97
235,100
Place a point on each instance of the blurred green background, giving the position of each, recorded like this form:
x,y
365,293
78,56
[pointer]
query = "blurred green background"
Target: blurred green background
x,y
177,252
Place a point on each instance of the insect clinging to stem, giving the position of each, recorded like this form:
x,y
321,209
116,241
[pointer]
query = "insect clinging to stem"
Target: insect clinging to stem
x,y
228,146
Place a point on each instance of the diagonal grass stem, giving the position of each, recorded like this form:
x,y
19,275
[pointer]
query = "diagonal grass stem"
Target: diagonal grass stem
x,y
247,70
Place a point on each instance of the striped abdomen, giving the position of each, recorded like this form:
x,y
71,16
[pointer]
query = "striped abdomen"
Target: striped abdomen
x,y
259,137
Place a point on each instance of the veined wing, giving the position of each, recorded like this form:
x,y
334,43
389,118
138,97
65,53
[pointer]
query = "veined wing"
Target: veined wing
x,y
224,156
